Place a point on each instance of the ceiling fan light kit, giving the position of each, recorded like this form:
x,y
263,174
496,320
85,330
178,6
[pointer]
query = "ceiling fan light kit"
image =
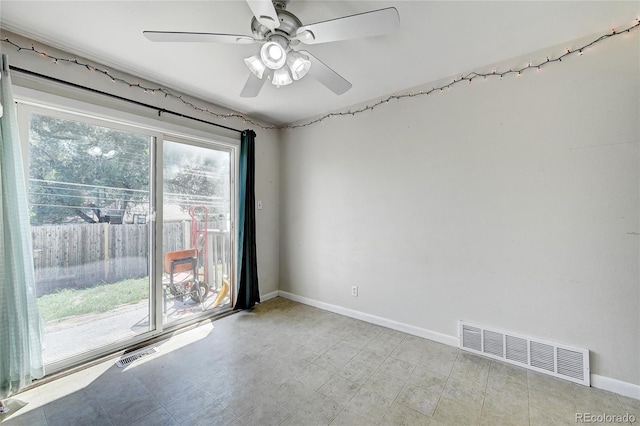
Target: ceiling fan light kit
x,y
286,65
280,32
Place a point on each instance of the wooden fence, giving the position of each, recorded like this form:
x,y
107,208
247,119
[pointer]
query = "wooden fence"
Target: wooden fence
x,y
82,255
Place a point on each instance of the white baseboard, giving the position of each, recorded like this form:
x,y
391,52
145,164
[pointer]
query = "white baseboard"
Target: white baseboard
x,y
265,297
374,319
600,382
615,386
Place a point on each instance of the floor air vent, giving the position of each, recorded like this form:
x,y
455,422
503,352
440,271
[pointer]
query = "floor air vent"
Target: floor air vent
x,y
551,358
134,356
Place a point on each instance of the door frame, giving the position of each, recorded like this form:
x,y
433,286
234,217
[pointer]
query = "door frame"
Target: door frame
x,y
29,100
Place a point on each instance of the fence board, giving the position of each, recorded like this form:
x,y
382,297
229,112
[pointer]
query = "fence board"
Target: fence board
x,y
74,255
83,255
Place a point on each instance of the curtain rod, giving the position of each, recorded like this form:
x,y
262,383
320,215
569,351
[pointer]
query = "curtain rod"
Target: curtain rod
x,y
111,95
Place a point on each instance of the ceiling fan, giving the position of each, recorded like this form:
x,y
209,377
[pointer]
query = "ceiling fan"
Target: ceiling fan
x,y
280,32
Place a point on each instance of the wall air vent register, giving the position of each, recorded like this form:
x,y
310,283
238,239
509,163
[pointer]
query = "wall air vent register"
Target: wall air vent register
x,y
555,359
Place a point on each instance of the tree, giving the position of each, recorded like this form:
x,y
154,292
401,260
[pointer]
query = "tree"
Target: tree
x,y
195,176
83,172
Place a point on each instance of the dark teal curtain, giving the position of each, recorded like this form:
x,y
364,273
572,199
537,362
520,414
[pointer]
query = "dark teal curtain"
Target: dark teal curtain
x,y
248,293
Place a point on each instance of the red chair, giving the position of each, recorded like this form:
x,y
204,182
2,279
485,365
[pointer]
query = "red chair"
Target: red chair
x,y
181,272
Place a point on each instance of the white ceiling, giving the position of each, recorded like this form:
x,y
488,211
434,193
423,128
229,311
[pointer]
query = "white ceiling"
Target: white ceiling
x,y
437,39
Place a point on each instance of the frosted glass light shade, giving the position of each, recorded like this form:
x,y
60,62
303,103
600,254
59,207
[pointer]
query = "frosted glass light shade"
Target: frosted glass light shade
x,y
281,77
256,65
273,55
298,64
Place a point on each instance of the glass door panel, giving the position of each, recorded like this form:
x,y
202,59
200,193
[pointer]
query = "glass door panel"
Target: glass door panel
x,y
196,236
89,204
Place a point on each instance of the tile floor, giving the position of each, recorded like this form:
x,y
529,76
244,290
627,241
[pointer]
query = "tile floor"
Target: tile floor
x,y
286,363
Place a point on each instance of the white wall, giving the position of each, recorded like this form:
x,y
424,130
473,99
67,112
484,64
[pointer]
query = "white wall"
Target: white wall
x,y
509,203
267,141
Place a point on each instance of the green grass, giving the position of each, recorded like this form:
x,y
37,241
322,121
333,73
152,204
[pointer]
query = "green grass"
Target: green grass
x,y
100,298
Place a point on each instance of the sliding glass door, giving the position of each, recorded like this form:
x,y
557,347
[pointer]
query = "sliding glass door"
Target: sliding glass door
x,y
96,190
89,204
196,238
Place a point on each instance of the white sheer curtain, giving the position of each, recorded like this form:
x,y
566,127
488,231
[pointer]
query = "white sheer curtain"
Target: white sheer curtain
x,y
20,322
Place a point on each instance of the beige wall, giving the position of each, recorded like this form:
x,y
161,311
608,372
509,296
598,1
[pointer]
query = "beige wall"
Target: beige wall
x,y
268,218
513,204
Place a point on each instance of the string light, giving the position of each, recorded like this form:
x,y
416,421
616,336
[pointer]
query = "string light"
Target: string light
x,y
469,77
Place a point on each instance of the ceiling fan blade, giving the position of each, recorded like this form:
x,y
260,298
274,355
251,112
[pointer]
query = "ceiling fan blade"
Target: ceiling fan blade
x,y
325,75
172,36
265,13
253,86
374,23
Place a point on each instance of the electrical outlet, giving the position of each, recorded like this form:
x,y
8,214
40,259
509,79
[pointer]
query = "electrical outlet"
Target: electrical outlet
x,y
354,291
